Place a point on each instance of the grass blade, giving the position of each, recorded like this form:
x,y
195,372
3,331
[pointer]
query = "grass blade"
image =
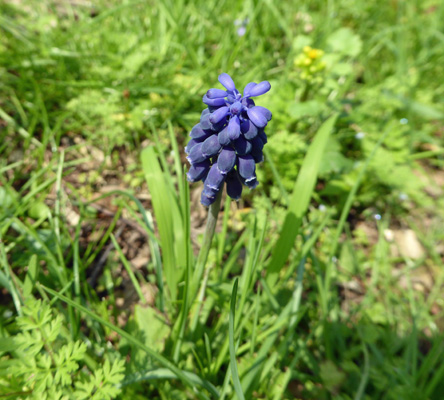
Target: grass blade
x,y
300,199
167,217
181,320
128,268
163,373
154,243
233,362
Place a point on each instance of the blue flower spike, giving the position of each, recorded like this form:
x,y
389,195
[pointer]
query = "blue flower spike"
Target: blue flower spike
x,y
228,142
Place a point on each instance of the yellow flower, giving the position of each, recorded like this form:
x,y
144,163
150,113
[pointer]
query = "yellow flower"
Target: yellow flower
x,y
309,63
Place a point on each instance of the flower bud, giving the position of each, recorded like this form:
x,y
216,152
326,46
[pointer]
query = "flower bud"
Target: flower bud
x,y
216,93
260,89
227,82
216,102
219,115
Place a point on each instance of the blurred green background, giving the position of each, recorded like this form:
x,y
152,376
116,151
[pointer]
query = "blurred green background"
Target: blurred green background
x,y
86,85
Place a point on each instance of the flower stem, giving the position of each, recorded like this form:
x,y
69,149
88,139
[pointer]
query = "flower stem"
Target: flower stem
x,y
213,213
305,93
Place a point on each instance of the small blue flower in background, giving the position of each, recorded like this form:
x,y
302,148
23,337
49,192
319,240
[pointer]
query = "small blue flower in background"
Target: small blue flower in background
x,y
241,31
242,26
228,141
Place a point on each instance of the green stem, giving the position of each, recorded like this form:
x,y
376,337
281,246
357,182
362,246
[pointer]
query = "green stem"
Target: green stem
x,y
213,213
192,284
305,93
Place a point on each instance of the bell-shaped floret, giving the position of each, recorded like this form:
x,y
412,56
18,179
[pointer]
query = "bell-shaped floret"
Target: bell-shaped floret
x,y
263,136
248,129
234,185
233,128
196,155
190,145
205,122
214,180
220,125
257,116
199,133
257,154
257,148
207,200
252,182
226,160
211,146
223,137
198,170
265,112
257,142
242,146
246,166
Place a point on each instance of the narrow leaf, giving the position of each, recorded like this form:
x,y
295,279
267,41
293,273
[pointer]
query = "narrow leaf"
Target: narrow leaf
x,y
167,216
300,199
233,362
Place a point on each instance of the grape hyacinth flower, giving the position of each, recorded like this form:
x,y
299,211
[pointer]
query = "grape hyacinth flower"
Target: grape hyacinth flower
x,y
227,143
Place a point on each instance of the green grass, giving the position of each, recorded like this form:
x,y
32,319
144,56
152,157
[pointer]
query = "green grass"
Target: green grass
x,y
323,283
